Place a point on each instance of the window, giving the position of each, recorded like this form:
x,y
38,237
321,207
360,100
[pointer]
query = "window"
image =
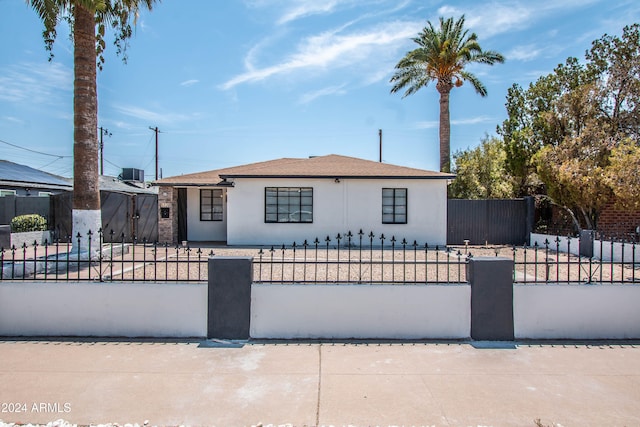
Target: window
x,y
394,205
7,193
288,204
211,202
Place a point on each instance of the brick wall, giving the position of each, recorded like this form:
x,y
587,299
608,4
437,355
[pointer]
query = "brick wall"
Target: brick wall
x,y
612,223
617,223
168,227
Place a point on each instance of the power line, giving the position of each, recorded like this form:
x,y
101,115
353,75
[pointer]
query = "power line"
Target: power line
x,y
33,151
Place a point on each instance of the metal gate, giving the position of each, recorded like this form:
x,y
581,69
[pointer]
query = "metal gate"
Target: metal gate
x,y
145,212
482,222
123,215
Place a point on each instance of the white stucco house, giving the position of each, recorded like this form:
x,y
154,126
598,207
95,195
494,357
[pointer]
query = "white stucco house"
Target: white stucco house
x,y
295,199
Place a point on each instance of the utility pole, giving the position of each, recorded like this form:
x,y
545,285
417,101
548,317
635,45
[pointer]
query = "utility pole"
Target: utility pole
x,y
103,132
380,136
155,129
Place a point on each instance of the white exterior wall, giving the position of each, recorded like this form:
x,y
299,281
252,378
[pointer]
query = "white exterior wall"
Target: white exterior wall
x,y
556,311
98,309
204,231
350,205
360,311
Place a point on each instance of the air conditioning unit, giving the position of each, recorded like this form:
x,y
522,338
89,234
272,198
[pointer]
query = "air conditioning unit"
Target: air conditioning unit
x,y
131,174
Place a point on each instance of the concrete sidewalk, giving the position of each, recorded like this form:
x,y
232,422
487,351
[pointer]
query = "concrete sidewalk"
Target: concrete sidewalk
x,y
310,384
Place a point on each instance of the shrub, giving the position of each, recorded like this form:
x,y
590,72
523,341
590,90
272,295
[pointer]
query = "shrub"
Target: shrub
x,y
32,222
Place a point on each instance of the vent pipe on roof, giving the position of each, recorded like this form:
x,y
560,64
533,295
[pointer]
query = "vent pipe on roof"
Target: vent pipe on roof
x,y
380,136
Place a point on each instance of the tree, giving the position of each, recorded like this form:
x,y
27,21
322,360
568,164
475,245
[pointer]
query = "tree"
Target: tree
x,y
442,56
622,175
574,173
83,17
577,129
531,122
480,172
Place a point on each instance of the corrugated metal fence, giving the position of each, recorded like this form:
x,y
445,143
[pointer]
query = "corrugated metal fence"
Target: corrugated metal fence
x,y
12,206
502,222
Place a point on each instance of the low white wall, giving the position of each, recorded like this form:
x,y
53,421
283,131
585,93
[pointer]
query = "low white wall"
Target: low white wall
x,y
28,237
616,251
560,243
576,311
604,250
103,309
360,311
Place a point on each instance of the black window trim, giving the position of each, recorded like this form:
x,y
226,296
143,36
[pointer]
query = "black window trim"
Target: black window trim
x,y
214,215
394,214
299,207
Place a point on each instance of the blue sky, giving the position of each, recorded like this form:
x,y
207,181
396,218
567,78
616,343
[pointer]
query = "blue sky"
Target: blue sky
x,y
230,82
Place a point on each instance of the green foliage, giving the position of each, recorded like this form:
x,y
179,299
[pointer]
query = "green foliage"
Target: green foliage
x,y
117,14
481,172
576,128
622,175
574,173
442,56
31,222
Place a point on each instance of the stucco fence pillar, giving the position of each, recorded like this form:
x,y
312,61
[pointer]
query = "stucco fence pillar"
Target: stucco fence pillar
x,y
229,311
491,280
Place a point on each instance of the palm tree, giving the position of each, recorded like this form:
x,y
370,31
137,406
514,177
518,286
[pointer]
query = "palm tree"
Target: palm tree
x,y
83,17
442,56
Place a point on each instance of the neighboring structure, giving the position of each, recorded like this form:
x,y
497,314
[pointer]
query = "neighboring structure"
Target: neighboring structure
x,y
128,209
128,206
287,200
21,180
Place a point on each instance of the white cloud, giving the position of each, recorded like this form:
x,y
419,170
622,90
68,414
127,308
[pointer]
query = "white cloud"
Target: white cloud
x,y
13,120
472,120
333,49
431,124
498,17
152,117
189,82
523,53
35,83
303,8
327,91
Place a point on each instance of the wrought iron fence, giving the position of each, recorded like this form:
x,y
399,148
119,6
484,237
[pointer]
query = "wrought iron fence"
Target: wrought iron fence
x,y
360,258
140,261
558,260
345,258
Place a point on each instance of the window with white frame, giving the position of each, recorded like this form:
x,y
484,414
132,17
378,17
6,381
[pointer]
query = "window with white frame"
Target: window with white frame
x,y
211,203
7,193
394,205
288,204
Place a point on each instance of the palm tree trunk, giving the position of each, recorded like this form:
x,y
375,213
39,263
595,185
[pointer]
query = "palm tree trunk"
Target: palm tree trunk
x,y
445,129
86,191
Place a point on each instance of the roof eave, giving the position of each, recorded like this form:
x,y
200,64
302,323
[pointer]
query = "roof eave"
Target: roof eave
x,y
339,176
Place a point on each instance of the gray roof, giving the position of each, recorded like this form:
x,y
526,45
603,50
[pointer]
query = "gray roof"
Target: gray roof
x,y
22,175
109,183
17,175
